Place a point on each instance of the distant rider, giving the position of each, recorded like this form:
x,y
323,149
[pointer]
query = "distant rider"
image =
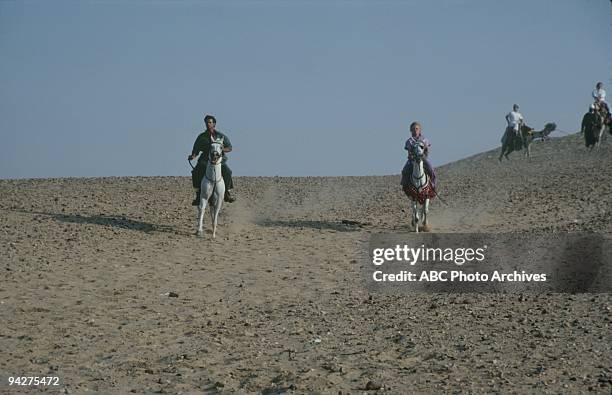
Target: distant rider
x,y
591,124
515,120
599,94
202,145
416,137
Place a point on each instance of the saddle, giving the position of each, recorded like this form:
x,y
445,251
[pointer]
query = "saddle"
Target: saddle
x,y
603,110
514,139
426,193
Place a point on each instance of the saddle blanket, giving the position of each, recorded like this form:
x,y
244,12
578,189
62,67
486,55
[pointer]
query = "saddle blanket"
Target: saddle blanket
x,y
426,193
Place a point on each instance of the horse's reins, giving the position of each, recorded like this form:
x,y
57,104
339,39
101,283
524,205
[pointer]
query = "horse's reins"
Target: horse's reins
x,y
193,168
433,189
419,158
423,176
435,192
439,198
215,175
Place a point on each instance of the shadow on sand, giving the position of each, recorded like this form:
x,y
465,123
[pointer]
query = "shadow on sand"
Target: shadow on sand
x,y
339,226
120,221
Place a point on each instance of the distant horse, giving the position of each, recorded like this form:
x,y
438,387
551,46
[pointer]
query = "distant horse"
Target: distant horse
x,y
515,142
512,141
213,187
417,186
540,134
602,111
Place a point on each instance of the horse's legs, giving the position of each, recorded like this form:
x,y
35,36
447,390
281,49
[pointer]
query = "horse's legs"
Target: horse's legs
x,y
212,212
215,216
198,220
601,132
415,216
425,211
528,149
201,210
218,203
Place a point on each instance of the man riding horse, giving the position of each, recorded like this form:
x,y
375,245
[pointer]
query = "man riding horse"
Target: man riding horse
x,y
202,145
601,106
515,120
599,93
513,138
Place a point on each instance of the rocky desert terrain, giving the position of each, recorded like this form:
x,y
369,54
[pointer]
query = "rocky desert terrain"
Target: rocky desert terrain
x,y
105,285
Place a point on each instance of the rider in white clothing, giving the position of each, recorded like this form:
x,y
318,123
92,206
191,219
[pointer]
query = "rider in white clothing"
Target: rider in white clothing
x,y
599,94
515,119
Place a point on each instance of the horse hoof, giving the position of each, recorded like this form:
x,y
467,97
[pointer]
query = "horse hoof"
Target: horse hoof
x,y
199,233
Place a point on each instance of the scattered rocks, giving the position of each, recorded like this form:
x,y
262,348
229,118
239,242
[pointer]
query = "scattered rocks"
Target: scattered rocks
x,y
299,310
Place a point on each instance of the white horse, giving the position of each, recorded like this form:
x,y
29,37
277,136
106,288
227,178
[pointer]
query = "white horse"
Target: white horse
x,y
418,188
212,185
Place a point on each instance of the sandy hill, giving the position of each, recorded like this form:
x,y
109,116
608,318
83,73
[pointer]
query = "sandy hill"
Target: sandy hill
x,y
277,303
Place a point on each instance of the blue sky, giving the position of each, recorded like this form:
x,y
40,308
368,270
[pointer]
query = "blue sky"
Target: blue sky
x,y
302,88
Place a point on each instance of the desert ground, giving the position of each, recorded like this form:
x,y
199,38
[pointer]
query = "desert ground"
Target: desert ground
x,y
105,285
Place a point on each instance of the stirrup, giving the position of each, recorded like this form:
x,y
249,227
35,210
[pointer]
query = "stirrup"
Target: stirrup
x,y
196,201
228,197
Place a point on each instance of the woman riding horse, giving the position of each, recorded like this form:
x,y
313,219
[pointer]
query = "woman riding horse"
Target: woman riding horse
x,y
415,138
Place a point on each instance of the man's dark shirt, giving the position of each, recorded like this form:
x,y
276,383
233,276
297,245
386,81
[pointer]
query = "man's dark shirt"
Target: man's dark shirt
x,y
203,143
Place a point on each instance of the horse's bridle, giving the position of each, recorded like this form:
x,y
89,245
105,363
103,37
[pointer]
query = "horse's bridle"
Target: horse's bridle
x,y
212,151
414,148
214,163
421,177
419,158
